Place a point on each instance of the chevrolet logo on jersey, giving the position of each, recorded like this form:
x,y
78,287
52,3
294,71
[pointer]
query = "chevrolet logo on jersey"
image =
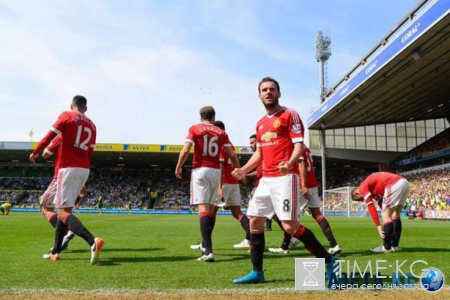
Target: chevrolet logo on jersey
x,y
268,136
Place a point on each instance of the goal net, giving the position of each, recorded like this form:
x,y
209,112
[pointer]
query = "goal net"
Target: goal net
x,y
338,202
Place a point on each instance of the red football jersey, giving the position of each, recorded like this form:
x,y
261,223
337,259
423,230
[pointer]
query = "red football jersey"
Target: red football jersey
x,y
227,168
276,135
310,180
208,140
78,135
53,149
373,187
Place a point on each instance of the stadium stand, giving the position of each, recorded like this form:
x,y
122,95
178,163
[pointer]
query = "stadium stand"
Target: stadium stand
x,y
116,189
438,143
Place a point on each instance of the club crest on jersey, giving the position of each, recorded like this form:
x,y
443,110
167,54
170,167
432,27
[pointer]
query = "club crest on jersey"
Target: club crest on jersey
x,y
276,123
260,127
296,128
268,136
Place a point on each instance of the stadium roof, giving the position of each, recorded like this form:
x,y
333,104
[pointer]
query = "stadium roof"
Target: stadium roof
x,y
405,77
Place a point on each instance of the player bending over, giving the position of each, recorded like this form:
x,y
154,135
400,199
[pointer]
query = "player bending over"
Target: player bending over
x,y
389,191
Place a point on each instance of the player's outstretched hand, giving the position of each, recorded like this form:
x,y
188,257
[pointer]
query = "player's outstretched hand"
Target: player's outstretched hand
x,y
33,158
237,173
283,167
380,231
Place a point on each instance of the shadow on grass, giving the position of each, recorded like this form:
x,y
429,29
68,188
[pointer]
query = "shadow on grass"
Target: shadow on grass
x,y
279,280
220,258
115,261
117,250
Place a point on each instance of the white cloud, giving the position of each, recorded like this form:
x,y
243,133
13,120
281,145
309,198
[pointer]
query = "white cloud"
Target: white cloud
x,y
145,80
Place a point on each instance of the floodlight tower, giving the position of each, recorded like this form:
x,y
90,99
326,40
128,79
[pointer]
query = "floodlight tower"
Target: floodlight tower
x,y
323,53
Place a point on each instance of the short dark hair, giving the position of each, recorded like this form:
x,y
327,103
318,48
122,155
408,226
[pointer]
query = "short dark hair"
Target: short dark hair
x,y
219,124
269,79
79,101
253,136
207,113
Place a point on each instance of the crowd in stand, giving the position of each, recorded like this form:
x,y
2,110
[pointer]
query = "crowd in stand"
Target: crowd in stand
x,y
437,143
429,191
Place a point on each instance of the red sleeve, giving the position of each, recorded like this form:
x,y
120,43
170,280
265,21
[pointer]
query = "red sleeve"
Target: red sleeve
x,y
61,123
59,126
373,213
226,140
191,135
54,145
297,129
44,142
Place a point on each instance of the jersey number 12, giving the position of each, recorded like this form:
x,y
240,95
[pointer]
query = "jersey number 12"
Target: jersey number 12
x,y
83,144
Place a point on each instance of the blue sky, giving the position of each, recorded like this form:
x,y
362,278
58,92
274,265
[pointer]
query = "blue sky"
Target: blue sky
x,y
147,67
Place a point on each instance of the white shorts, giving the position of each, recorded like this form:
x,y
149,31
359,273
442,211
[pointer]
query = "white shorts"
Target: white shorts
x,y
231,195
315,199
277,195
204,185
48,198
396,194
70,182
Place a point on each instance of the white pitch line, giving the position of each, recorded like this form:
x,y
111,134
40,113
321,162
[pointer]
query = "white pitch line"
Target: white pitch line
x,y
170,291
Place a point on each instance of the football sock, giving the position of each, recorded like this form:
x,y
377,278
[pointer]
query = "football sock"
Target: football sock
x,y
77,227
397,232
268,223
286,241
60,231
207,222
52,218
326,229
243,220
77,200
286,236
279,223
388,230
308,238
257,245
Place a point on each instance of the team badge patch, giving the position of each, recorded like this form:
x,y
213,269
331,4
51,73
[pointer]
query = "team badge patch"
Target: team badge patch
x,y
276,123
296,128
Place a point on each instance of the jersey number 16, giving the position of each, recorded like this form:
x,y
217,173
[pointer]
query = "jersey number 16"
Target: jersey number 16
x,y
210,146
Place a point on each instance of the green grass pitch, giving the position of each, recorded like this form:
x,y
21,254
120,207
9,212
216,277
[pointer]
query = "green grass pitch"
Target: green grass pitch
x,y
149,252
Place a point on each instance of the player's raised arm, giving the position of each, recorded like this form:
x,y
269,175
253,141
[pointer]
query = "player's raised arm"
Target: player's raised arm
x,y
42,145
